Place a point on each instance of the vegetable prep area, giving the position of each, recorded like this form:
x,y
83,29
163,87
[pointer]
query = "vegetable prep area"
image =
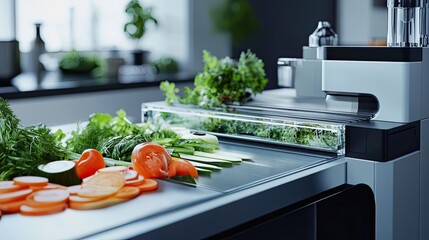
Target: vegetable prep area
x,y
266,164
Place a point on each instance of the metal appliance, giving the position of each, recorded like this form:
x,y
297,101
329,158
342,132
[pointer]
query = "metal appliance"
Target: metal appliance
x,y
304,74
9,61
390,152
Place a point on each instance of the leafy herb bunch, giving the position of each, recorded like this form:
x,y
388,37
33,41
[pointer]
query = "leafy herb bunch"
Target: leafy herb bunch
x,y
115,136
23,149
223,81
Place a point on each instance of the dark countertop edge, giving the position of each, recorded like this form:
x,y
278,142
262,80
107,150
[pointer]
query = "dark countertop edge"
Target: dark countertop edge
x,y
85,89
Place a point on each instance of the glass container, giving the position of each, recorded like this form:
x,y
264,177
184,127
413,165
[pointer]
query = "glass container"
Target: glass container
x,y
250,125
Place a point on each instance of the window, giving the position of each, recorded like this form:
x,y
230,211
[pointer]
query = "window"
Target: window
x,y
98,25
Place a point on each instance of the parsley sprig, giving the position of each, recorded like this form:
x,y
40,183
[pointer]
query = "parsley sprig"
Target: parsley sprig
x,y
223,81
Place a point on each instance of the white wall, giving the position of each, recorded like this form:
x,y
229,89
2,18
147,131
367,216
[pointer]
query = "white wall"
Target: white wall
x,y
7,19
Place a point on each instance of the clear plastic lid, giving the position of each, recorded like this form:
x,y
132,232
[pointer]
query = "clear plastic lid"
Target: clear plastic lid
x,y
253,125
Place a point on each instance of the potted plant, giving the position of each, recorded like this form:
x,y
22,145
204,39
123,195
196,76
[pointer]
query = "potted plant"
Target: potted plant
x,y
135,28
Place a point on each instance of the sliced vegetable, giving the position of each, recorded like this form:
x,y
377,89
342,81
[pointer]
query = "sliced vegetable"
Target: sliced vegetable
x,y
31,181
106,179
49,186
212,161
128,192
112,162
204,165
46,198
203,136
96,204
97,191
12,207
203,171
130,175
184,179
135,182
60,172
38,211
151,160
178,150
89,163
14,196
148,185
181,167
80,199
113,169
218,156
73,190
10,186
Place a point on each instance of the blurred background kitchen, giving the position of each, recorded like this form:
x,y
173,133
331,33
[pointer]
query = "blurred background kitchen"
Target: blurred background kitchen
x,y
61,60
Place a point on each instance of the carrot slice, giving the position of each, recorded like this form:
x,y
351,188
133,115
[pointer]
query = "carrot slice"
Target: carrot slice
x,y
10,186
97,191
74,189
128,192
13,196
135,182
52,196
106,179
46,198
113,169
12,207
31,181
48,187
38,211
80,199
148,185
130,175
96,204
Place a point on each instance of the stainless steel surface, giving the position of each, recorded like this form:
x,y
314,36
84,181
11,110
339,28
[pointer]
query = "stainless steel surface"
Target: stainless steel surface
x,y
215,215
286,71
266,164
284,102
324,35
407,23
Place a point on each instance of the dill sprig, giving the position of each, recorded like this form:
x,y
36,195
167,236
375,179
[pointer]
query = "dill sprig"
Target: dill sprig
x,y
23,149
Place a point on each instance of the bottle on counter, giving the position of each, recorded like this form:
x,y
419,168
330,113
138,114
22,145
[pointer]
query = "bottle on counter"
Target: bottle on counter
x,y
37,48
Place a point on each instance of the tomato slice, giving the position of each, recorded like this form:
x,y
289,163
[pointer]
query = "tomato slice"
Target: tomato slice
x,y
89,163
181,167
151,160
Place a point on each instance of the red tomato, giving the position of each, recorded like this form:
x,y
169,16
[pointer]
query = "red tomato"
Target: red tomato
x,y
181,167
90,161
151,160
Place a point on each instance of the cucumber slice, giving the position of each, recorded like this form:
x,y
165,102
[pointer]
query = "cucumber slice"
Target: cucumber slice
x,y
205,166
233,154
60,172
212,161
181,150
218,156
184,179
112,162
201,135
203,171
